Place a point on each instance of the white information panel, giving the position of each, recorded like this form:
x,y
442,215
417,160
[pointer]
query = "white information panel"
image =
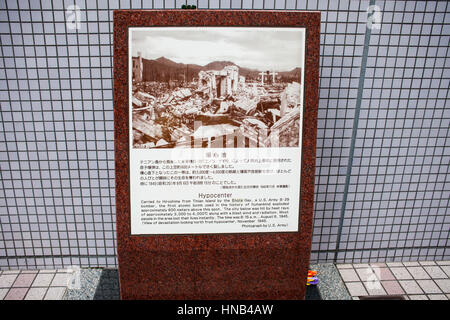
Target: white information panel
x,y
215,120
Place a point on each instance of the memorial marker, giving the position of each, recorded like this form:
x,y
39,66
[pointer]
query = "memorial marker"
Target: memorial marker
x,y
214,175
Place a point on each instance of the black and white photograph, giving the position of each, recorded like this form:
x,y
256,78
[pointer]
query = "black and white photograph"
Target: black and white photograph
x,y
216,87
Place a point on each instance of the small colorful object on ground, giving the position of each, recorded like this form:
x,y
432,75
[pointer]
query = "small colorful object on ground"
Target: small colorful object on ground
x,y
312,279
311,273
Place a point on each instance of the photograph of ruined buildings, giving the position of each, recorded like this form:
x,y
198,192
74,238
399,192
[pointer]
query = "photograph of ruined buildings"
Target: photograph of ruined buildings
x,y
216,87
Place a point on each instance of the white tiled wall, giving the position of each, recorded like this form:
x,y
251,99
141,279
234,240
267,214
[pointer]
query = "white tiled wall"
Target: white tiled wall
x,y
57,136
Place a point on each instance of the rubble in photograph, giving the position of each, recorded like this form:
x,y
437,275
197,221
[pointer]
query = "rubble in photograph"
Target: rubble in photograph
x,y
217,109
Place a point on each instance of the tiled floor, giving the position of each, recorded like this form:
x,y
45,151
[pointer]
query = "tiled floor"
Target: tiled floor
x,y
33,284
423,280
426,280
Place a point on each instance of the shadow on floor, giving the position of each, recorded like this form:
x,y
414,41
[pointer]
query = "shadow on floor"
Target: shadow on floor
x,y
108,287
312,293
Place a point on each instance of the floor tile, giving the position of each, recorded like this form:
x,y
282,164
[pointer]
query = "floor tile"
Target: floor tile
x,y
428,286
16,294
392,287
6,280
417,297
418,273
3,293
378,264
437,297
43,280
411,264
24,280
356,289
443,263
55,293
47,271
385,274
435,272
344,266
11,272
427,263
36,294
411,287
29,271
374,288
361,265
401,273
348,275
443,284
366,274
394,264
60,280
446,269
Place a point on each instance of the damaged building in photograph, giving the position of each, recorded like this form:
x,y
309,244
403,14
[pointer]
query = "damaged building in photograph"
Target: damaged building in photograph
x,y
137,68
219,109
219,83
